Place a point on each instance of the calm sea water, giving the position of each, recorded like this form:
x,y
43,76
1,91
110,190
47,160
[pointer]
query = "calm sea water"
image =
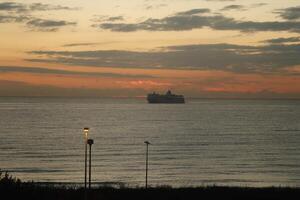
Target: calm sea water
x,y
204,142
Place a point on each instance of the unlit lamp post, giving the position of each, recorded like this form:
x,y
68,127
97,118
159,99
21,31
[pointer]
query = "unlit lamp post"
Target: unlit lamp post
x,y
86,132
147,144
90,142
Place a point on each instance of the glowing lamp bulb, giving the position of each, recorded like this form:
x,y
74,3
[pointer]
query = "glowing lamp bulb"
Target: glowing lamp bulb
x,y
86,131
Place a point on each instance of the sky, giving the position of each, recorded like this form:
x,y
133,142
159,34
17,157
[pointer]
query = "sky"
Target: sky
x,y
119,48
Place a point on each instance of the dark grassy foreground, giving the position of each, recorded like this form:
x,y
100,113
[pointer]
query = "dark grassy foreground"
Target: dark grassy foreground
x,y
11,188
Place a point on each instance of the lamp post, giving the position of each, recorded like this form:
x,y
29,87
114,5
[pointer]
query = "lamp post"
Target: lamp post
x,y
86,132
90,142
147,143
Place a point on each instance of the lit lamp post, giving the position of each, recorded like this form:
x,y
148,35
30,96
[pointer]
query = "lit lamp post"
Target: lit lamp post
x,y
147,143
90,142
86,132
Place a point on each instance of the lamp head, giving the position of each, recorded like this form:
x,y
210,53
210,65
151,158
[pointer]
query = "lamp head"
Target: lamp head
x,y
90,141
146,142
86,131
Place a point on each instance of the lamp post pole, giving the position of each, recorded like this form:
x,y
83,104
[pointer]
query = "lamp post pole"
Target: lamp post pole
x,y
90,142
147,143
86,132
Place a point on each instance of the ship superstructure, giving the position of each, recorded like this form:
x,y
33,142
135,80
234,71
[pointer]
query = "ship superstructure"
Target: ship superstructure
x,y
165,98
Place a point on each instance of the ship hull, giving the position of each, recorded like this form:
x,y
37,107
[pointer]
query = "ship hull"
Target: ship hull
x,y
163,99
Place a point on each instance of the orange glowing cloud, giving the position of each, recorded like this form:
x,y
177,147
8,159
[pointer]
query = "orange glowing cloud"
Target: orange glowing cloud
x,y
193,82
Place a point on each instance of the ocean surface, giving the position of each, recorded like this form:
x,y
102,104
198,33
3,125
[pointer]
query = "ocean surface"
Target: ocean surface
x,y
203,142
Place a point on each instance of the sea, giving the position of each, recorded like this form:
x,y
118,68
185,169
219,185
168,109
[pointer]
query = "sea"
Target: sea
x,y
253,143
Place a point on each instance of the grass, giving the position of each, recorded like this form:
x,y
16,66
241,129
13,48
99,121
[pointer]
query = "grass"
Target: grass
x,y
13,188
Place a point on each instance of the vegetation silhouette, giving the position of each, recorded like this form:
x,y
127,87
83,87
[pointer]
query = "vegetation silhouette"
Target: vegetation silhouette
x,y
13,188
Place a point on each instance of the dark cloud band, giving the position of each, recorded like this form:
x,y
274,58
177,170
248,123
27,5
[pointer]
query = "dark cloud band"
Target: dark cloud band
x,y
227,57
282,40
38,70
196,19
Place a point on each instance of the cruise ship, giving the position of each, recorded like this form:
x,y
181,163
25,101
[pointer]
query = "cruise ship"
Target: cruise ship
x,y
165,98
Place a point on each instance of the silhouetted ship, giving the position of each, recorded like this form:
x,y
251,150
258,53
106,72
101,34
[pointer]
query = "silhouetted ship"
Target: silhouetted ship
x,y
165,98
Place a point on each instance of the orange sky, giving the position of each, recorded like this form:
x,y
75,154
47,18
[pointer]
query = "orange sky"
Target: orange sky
x,y
197,83
59,46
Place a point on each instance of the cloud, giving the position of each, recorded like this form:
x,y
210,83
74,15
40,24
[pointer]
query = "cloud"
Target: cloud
x,y
80,44
46,7
291,13
13,19
196,19
12,12
238,7
282,40
106,18
48,25
37,24
151,7
255,5
234,7
88,44
20,7
12,6
194,11
226,57
116,18
38,70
